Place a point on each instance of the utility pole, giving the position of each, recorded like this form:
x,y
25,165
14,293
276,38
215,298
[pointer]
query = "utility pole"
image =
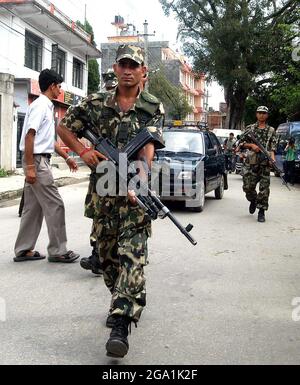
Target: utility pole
x,y
145,35
85,7
146,46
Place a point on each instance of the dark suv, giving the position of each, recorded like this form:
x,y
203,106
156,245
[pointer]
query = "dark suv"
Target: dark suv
x,y
191,165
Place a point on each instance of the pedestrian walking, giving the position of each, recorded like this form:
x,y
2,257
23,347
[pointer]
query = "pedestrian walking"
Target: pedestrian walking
x,y
257,168
41,196
290,161
123,227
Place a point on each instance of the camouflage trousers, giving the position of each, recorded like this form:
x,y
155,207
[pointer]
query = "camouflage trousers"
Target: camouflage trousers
x,y
123,256
253,175
93,235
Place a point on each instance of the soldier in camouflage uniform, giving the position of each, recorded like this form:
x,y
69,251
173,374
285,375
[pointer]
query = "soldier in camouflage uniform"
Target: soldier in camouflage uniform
x,y
257,168
122,227
110,80
93,263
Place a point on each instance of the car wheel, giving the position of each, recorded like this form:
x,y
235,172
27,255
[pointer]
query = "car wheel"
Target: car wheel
x,y
219,192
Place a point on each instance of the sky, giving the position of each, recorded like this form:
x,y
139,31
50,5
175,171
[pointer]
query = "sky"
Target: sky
x,y
101,13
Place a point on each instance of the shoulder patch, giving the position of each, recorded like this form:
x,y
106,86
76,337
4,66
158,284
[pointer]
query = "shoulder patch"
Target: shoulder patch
x,y
97,96
149,98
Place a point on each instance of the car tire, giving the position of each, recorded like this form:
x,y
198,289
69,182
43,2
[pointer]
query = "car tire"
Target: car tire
x,y
219,192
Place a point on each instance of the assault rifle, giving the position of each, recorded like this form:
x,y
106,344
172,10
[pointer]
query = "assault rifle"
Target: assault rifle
x,y
277,170
148,201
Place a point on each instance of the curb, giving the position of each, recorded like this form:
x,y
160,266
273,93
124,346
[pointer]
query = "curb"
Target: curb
x,y
60,182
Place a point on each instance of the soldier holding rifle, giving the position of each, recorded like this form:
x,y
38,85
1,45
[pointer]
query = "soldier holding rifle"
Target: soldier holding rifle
x,y
122,227
257,165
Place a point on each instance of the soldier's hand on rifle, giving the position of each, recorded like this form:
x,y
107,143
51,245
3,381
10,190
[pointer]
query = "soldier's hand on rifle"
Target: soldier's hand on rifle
x,y
255,148
132,197
92,157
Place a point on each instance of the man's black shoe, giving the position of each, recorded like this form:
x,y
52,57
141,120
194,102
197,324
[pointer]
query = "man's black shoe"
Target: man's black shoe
x,y
261,216
252,207
117,345
92,263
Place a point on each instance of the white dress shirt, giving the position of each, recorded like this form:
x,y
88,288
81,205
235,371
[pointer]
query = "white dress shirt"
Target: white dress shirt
x,y
40,117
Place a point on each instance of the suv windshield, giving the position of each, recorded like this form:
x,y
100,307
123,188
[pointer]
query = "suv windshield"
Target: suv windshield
x,y
183,142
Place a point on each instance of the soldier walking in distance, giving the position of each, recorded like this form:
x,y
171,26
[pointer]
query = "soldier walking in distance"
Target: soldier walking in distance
x,y
257,168
122,227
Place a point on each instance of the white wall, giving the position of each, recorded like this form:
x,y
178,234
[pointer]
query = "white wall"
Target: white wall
x,y
12,55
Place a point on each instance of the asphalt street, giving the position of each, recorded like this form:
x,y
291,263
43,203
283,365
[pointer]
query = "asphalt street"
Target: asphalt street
x,y
226,301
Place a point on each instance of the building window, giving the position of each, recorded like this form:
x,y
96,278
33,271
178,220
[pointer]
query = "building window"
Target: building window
x,y
58,60
77,73
33,51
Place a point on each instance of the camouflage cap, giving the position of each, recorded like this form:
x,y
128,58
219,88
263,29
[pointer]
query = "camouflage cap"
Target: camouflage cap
x,y
262,109
132,52
110,79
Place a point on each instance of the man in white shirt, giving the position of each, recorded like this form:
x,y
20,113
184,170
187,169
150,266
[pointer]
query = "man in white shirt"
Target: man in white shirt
x,y
42,198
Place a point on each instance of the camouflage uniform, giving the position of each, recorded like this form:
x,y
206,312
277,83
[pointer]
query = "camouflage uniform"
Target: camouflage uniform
x,y
122,229
89,206
110,82
257,169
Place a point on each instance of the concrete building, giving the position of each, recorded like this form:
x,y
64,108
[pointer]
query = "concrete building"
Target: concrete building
x,y
177,70
36,35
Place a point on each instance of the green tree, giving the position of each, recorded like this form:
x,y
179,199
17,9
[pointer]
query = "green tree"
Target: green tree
x,y
172,97
93,65
239,43
282,93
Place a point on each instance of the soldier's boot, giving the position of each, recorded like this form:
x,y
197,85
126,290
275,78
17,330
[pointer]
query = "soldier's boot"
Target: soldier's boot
x,y
252,207
111,320
117,345
92,262
261,216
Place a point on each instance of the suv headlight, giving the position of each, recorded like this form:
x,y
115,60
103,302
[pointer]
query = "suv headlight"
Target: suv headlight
x,y
185,175
299,157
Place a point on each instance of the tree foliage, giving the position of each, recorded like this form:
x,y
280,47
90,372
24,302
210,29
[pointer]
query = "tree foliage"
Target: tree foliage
x,y
239,43
172,97
93,65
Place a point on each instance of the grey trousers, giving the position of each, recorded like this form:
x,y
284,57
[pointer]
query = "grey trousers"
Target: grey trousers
x,y
42,199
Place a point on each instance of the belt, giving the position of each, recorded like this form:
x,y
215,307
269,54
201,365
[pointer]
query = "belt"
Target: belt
x,y
46,155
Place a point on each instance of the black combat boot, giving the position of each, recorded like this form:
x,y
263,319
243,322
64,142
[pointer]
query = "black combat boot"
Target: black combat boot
x,y
111,320
117,345
252,207
92,262
261,216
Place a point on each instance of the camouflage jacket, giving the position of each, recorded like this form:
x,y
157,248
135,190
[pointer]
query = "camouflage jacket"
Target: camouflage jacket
x,y
268,139
103,112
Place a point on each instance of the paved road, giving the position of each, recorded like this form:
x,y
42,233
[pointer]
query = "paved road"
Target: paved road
x,y
226,301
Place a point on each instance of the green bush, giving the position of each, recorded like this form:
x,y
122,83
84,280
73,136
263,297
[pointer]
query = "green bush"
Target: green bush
x,y
3,173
